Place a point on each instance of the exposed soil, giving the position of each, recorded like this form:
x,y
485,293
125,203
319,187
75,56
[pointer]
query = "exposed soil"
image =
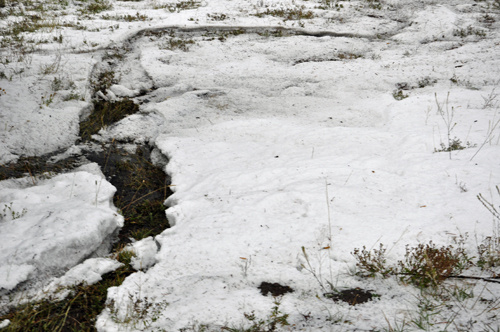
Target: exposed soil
x,y
274,288
352,296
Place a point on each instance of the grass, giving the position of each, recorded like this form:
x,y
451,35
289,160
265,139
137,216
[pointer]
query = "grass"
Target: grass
x,y
106,113
76,312
36,167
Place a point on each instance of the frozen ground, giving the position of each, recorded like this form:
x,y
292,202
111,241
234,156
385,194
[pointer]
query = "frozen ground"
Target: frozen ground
x,y
278,140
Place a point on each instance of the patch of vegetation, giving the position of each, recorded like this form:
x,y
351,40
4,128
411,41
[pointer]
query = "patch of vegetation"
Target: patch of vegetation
x,y
465,83
173,44
428,265
340,56
141,190
399,95
106,113
141,313
77,312
9,212
272,323
374,4
126,18
103,81
180,6
289,14
217,17
37,167
454,145
426,81
330,5
423,266
96,6
469,31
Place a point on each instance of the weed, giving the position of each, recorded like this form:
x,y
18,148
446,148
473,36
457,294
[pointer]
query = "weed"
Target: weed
x,y
7,211
372,264
469,31
428,265
106,113
48,99
275,320
399,95
422,266
454,145
292,14
2,92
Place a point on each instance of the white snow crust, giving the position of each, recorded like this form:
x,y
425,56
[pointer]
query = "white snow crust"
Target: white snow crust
x,y
53,225
277,146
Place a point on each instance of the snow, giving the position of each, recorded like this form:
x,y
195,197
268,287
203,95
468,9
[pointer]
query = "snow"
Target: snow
x,y
53,224
275,144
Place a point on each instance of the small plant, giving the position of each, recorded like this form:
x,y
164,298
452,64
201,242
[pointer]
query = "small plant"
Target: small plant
x,y
371,265
270,324
454,145
469,31
2,92
399,95
423,266
48,99
374,4
7,211
428,265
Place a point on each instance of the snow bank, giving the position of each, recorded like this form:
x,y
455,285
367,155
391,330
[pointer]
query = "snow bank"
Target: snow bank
x,y
52,226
